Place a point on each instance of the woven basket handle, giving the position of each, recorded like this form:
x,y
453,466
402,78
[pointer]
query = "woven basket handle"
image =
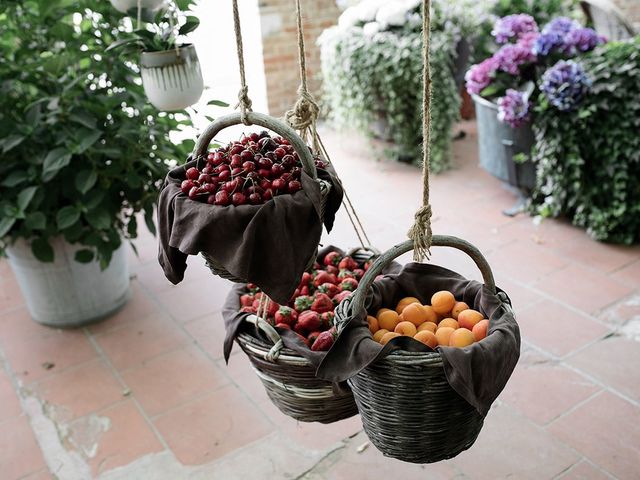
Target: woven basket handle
x,y
262,120
359,297
271,334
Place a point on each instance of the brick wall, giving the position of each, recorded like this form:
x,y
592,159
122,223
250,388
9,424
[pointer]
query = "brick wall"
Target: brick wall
x,y
280,47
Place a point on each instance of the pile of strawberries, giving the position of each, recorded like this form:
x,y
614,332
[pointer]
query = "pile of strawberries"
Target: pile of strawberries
x,y
250,171
310,311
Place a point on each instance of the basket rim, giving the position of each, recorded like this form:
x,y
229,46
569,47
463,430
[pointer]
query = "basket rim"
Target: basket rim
x,y
261,348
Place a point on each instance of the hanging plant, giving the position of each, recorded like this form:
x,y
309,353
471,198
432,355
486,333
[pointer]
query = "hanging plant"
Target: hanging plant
x,y
131,6
170,71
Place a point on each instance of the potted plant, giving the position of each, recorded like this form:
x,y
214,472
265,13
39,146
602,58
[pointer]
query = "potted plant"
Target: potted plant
x,y
82,154
170,71
132,6
506,87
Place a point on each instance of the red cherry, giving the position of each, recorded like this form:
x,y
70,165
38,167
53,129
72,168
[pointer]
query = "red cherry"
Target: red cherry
x,y
288,161
267,195
238,199
204,178
221,198
271,156
237,171
210,187
294,186
236,161
193,193
280,152
236,149
208,170
264,173
255,199
193,173
186,185
254,137
231,186
265,163
221,168
296,172
265,184
287,177
278,184
246,155
254,189
211,199
248,166
244,140
277,170
224,175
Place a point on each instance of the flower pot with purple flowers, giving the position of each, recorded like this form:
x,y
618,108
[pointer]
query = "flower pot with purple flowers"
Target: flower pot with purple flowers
x,y
531,66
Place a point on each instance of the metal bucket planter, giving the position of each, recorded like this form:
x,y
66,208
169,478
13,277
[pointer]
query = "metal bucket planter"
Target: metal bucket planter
x,y
172,79
125,6
498,143
67,293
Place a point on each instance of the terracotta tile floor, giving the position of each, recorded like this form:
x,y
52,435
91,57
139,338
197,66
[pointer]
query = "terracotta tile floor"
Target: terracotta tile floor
x,y
146,395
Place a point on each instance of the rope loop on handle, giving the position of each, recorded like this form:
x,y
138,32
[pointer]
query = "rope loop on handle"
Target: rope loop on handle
x,y
304,113
421,233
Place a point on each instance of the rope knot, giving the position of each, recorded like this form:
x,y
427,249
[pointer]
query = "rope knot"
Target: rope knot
x,y
305,111
421,234
244,102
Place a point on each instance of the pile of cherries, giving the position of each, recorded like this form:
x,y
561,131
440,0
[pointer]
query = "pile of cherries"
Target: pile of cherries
x,y
250,171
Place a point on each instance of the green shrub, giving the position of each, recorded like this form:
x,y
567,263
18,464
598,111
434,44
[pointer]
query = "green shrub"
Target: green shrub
x,y
589,159
82,149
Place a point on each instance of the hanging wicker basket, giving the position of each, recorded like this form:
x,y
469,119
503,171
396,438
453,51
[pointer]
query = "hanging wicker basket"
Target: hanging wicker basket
x,y
285,131
409,410
290,379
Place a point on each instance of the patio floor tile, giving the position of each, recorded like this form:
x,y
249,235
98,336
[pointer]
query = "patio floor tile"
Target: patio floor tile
x,y
584,471
19,451
9,403
526,261
138,306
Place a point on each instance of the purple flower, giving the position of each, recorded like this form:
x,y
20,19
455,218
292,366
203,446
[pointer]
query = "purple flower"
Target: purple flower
x,y
565,84
513,26
510,57
547,42
479,76
560,25
513,108
527,40
582,40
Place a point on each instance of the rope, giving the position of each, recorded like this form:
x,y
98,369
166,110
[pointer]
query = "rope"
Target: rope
x,y
244,102
420,232
139,15
304,116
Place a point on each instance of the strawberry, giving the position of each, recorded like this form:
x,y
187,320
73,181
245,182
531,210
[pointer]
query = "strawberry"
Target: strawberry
x,y
324,277
316,266
302,303
367,264
286,315
247,309
346,274
322,303
304,339
252,287
308,321
323,342
341,296
304,291
272,308
332,258
327,319
312,337
347,263
348,284
246,300
283,326
332,269
358,273
328,288
306,279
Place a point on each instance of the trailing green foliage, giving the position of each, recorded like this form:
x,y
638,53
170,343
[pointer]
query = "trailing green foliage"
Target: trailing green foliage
x,y
589,159
378,80
82,149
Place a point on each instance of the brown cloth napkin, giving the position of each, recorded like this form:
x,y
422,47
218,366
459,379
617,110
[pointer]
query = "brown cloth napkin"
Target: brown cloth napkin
x,y
269,245
478,372
234,319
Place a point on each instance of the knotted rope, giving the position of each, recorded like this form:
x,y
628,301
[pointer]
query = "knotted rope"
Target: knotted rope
x,y
304,116
244,102
420,232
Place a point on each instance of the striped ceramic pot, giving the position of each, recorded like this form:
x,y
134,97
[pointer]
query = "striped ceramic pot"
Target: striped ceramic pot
x,y
172,79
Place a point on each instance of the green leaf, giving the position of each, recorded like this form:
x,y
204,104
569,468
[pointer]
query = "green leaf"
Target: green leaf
x,y
11,141
122,43
5,225
15,178
67,216
25,197
53,162
36,221
183,5
85,179
217,103
85,119
87,140
84,256
42,250
191,24
149,220
99,219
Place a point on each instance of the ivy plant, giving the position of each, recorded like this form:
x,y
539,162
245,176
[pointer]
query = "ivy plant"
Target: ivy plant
x,y
588,159
82,150
370,79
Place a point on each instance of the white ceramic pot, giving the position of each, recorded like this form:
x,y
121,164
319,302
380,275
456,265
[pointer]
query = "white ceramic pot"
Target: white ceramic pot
x,y
67,293
125,6
172,79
